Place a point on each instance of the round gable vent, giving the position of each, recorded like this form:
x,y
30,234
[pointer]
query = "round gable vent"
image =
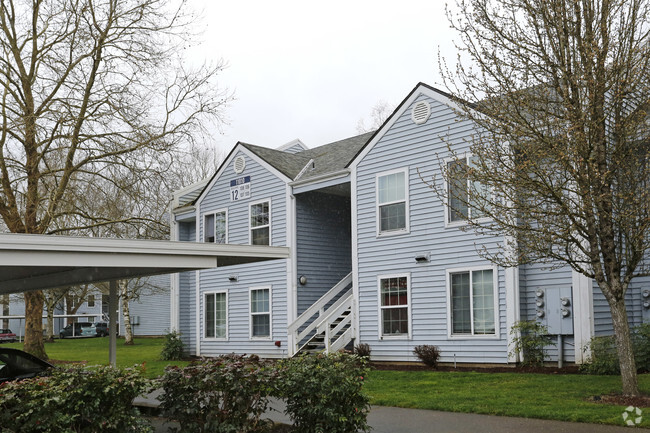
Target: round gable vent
x,y
421,112
239,165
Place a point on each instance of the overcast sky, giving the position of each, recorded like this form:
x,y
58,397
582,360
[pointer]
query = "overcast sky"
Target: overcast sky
x,y
311,70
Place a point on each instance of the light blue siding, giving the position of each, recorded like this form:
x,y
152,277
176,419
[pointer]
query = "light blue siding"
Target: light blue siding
x,y
323,244
420,150
294,149
541,276
152,309
633,302
187,290
265,185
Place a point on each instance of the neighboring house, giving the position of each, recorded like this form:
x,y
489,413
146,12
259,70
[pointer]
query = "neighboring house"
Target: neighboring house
x,y
376,258
149,314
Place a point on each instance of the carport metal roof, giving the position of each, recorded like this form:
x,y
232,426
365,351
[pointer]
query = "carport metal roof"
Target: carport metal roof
x,y
33,262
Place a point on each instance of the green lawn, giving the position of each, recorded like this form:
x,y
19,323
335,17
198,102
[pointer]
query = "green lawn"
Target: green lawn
x,y
549,396
94,351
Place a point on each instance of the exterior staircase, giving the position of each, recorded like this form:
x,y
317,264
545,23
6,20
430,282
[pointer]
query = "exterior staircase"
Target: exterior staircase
x,y
328,325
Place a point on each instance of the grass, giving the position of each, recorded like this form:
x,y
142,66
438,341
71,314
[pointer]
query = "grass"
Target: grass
x,y
548,396
94,351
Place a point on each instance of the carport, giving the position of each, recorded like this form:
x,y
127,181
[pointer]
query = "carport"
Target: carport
x,y
38,262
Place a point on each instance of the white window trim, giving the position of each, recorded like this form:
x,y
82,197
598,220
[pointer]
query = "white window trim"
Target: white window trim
x,y
407,228
269,225
408,307
214,213
497,313
460,223
205,295
250,313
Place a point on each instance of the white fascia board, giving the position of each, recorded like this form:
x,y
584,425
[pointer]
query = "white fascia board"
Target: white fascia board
x,y
240,148
176,195
416,93
292,143
333,175
25,243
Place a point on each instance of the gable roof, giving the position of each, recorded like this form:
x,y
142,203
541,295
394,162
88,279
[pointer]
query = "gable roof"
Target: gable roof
x,y
420,88
324,159
328,158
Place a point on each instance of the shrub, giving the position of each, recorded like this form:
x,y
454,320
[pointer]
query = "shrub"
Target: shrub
x,y
604,356
75,400
362,350
324,393
531,339
428,354
173,348
224,394
641,346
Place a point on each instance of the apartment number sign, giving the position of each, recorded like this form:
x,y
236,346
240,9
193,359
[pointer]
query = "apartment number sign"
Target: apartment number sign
x,y
240,188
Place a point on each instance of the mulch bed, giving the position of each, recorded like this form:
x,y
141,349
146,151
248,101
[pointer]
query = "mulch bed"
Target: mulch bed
x,y
621,400
569,369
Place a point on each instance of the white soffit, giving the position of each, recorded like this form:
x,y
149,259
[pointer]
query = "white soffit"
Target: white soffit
x,y
32,262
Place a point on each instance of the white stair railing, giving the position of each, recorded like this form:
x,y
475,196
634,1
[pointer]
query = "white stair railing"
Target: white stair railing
x,y
318,307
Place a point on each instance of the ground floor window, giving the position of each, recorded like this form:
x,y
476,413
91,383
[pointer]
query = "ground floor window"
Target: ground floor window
x,y
394,305
260,313
215,315
472,298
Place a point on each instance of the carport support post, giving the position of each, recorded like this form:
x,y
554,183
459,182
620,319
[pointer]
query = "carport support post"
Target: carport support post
x,y
112,322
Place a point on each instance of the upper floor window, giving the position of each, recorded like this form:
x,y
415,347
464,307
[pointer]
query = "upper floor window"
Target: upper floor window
x,y
260,223
392,206
472,306
91,301
216,228
462,193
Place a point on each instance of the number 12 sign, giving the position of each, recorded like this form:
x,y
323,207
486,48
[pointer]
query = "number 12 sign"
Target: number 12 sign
x,y
240,189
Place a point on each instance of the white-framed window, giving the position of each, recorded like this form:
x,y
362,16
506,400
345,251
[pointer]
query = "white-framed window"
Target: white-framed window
x,y
260,223
473,302
216,227
260,312
215,315
392,202
461,191
394,306
90,301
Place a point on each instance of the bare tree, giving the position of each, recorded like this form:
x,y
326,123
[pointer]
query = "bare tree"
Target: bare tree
x,y
85,86
559,91
53,299
378,115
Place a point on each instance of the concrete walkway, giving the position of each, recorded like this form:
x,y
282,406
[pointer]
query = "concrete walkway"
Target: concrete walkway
x,y
397,420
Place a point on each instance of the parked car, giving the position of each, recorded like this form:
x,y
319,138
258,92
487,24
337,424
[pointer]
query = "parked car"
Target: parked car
x,y
7,336
80,329
101,328
16,364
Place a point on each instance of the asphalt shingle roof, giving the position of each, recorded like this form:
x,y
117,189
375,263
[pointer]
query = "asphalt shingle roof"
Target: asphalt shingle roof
x,y
328,158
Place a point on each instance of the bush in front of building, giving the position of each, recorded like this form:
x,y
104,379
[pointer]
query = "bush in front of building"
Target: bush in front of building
x,y
530,342
224,394
603,358
173,349
428,354
75,399
324,392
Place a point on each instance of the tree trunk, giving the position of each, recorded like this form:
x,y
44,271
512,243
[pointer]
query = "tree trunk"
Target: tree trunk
x,y
5,310
34,324
128,332
624,346
50,324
